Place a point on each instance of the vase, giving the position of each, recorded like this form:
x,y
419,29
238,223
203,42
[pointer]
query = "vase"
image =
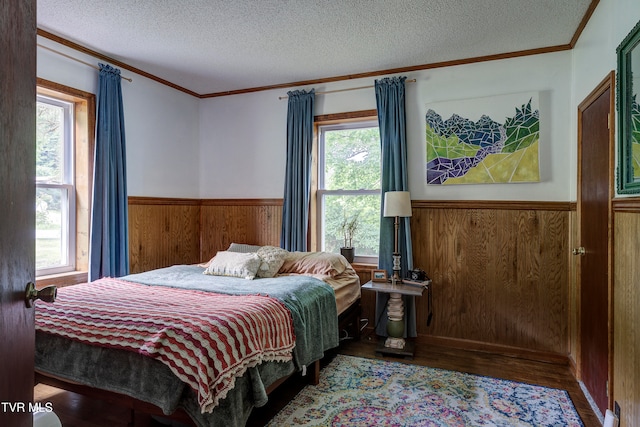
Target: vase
x,y
348,253
395,328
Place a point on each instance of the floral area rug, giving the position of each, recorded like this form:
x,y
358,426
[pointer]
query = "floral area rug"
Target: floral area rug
x,y
355,391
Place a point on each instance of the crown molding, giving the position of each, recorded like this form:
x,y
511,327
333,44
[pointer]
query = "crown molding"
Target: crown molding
x,y
377,73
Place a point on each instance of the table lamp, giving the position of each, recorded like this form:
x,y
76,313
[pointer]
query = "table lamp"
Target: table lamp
x,y
397,204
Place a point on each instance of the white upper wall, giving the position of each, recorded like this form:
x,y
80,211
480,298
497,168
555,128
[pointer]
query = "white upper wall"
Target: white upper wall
x,y
243,137
231,125
243,146
594,55
161,125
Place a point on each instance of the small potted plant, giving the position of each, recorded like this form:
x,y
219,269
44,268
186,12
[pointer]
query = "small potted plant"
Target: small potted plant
x,y
349,227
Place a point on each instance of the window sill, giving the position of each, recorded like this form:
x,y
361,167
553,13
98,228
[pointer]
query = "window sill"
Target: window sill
x,y
360,267
61,280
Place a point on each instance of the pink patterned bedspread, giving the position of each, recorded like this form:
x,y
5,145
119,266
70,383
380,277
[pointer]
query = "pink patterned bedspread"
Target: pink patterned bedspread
x,y
206,339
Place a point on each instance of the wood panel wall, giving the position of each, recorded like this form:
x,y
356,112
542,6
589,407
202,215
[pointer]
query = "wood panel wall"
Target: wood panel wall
x,y
224,221
626,310
500,270
163,232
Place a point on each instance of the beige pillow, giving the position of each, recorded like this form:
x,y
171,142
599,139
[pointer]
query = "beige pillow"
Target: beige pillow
x,y
272,259
234,264
319,263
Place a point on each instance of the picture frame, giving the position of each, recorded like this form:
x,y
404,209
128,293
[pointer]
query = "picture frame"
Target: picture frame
x,y
379,275
628,104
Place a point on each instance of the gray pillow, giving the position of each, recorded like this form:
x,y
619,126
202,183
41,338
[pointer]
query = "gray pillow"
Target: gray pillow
x,y
243,248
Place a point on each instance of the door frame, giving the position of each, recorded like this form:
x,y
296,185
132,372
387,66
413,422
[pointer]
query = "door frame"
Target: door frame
x,y
608,82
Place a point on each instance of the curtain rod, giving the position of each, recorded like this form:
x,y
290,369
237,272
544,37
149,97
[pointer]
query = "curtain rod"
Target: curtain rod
x,y
77,60
346,90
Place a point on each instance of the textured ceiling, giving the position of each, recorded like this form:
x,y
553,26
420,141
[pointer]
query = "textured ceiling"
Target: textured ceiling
x,y
212,46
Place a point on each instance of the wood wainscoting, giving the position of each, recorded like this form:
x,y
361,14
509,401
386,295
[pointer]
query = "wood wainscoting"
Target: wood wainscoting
x,y
163,232
500,270
626,310
500,273
167,231
224,221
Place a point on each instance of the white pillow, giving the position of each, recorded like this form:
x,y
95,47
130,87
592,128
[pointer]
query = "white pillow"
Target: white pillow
x,y
234,264
272,259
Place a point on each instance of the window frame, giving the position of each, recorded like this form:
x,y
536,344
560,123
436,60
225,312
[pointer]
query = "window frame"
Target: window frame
x,y
350,120
83,141
67,186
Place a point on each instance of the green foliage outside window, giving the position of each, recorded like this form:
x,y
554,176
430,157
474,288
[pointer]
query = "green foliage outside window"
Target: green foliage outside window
x,y
49,159
49,169
352,162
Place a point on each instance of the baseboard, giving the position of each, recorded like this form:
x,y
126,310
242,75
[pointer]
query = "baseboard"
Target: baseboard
x,y
521,353
368,333
573,366
592,402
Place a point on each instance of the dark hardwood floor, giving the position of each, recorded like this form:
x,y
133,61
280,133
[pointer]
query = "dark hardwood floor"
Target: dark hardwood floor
x,y
79,411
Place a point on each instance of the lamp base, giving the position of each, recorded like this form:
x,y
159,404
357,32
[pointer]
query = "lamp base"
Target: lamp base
x,y
395,277
397,343
406,352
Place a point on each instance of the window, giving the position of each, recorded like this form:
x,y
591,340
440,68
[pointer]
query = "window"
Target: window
x,y
55,192
64,153
349,186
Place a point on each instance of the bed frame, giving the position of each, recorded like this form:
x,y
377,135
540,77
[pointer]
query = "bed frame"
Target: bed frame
x,y
349,320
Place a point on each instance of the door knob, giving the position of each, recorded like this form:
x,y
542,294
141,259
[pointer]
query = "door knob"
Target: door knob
x,y
48,294
579,251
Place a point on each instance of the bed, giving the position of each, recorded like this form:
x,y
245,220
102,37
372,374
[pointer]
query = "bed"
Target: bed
x,y
310,297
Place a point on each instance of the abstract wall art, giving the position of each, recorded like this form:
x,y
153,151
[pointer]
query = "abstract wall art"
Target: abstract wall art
x,y
483,140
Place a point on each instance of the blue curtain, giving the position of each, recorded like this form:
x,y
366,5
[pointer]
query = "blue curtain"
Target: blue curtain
x,y
109,240
390,101
297,186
